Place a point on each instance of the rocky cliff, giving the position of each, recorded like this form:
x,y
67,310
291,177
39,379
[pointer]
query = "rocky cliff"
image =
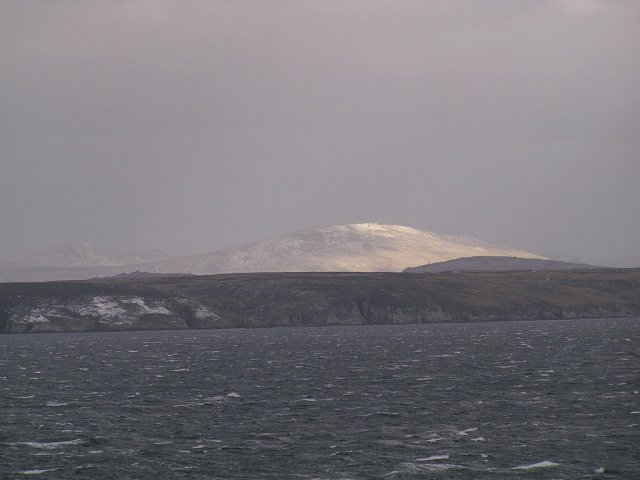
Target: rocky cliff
x,y
299,299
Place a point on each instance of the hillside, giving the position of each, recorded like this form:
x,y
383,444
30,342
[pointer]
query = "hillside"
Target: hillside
x,y
302,299
490,263
365,247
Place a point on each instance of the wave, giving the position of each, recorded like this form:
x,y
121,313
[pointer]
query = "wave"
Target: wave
x,y
533,466
50,445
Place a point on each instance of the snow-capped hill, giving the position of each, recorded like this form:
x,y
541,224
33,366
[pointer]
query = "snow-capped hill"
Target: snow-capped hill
x,y
363,247
82,254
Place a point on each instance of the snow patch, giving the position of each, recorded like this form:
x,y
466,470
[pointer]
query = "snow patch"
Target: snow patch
x,y
105,307
203,313
157,310
118,310
35,316
113,310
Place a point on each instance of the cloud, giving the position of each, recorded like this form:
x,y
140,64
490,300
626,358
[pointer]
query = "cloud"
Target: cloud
x,y
130,123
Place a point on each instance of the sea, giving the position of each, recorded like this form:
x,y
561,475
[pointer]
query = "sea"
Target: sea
x,y
503,400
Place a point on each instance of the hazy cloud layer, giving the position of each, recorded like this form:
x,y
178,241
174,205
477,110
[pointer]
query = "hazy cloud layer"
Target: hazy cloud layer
x,y
193,125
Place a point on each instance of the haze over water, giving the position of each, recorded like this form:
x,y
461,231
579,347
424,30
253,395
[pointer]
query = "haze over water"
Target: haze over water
x,y
452,401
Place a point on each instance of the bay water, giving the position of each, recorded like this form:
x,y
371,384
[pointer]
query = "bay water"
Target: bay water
x,y
543,400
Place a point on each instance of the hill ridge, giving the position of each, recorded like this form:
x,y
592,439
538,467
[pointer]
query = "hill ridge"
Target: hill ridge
x,y
497,263
363,247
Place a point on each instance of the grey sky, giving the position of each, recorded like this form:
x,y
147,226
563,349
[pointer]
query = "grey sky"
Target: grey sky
x,y
190,126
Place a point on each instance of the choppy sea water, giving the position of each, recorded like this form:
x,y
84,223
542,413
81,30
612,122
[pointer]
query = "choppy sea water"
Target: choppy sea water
x,y
540,400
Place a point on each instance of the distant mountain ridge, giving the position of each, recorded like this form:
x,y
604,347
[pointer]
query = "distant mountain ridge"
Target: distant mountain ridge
x,y
363,247
630,261
478,264
82,254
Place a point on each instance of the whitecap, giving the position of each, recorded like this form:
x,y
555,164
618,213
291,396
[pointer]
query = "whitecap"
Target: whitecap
x,y
50,445
428,467
478,439
37,471
432,458
56,404
533,466
393,473
466,432
390,442
233,395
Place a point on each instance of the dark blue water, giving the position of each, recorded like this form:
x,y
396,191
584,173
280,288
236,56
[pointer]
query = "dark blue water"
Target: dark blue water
x,y
552,400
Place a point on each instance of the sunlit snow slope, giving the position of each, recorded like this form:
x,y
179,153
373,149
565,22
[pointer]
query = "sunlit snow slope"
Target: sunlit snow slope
x,y
363,247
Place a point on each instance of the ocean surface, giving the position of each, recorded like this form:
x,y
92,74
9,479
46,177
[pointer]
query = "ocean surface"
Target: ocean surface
x,y
512,400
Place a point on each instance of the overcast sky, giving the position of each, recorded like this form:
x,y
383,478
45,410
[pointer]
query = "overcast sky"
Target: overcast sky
x,y
190,126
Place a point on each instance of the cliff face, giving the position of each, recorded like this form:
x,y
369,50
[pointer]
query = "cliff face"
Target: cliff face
x,y
299,299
